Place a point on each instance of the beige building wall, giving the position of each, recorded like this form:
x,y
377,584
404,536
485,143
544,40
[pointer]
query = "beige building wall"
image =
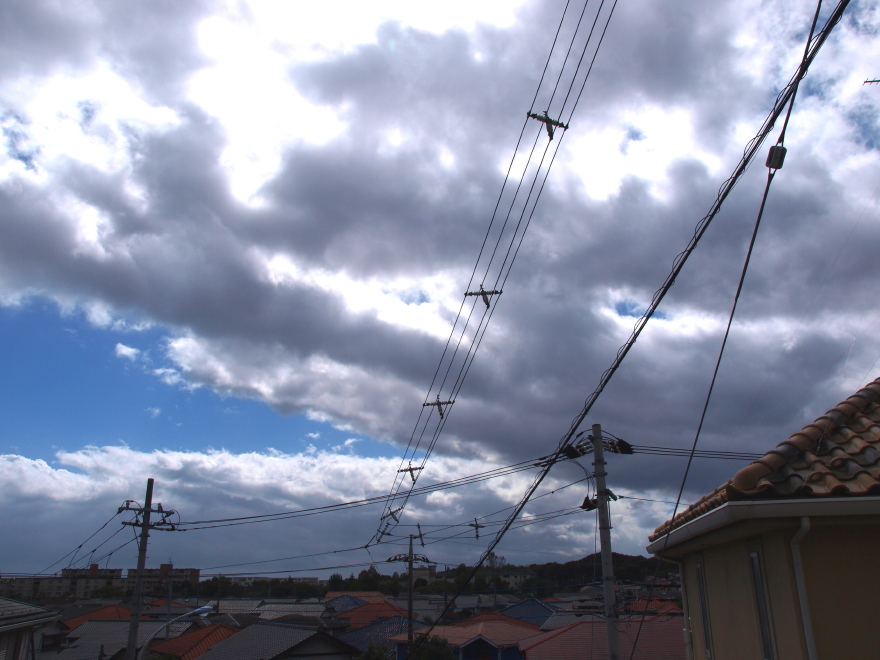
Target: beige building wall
x,y
840,558
842,571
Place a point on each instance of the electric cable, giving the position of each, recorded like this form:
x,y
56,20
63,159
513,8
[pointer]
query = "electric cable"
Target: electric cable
x,y
771,172
678,264
482,247
468,359
481,329
76,550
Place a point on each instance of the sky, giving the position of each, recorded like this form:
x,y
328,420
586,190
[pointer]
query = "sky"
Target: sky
x,y
235,238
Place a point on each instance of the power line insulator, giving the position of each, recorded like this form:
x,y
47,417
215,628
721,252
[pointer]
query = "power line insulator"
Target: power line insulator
x,y
439,405
484,294
548,122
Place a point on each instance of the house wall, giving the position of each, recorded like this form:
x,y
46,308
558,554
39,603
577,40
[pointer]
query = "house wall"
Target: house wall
x,y
15,644
480,650
843,583
840,557
726,586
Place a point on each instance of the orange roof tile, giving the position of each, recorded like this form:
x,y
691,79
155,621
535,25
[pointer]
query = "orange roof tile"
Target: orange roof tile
x,y
661,638
193,644
494,616
838,455
364,614
163,602
643,603
499,633
109,613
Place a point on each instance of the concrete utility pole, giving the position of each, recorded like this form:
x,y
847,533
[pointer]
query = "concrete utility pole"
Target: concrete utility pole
x,y
131,648
409,603
605,543
408,558
145,512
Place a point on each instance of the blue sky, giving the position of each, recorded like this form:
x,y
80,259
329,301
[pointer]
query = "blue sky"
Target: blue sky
x,y
65,387
293,208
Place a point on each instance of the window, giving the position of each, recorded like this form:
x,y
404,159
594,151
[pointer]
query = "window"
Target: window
x,y
761,607
704,609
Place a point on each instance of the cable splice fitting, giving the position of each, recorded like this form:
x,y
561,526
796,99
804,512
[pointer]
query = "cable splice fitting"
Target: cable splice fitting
x,y
776,157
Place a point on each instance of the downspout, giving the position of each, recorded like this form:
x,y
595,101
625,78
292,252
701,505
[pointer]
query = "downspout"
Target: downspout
x,y
806,619
688,648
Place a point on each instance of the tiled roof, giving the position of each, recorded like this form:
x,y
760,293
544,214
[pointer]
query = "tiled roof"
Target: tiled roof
x,y
494,616
531,610
640,604
838,455
113,636
366,596
236,605
193,644
15,613
379,632
499,633
661,638
271,611
163,602
361,616
109,613
344,603
564,618
260,641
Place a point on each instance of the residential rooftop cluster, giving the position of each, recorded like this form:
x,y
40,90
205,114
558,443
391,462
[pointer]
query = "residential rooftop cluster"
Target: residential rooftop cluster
x,y
342,624
772,564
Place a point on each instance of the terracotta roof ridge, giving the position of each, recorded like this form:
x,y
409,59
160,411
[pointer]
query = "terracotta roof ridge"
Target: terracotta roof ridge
x,y
806,439
532,641
838,454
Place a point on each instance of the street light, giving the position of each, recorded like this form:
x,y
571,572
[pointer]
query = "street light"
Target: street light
x,y
201,611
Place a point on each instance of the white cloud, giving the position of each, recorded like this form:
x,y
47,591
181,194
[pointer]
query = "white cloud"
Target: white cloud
x,y
154,412
217,484
127,352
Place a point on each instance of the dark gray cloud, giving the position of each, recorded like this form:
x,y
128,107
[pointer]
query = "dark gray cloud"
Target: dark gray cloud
x,y
191,257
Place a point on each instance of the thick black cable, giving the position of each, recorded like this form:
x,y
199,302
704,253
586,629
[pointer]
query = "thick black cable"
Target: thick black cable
x,y
680,260
749,154
667,532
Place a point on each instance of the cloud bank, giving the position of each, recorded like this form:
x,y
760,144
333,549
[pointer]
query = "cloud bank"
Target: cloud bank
x,y
301,214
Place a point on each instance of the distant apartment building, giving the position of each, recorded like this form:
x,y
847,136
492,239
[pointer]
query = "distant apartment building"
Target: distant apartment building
x,y
428,573
249,580
83,582
159,577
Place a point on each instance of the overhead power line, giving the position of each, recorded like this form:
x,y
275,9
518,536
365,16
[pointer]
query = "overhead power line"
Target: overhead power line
x,y
506,248
775,160
749,154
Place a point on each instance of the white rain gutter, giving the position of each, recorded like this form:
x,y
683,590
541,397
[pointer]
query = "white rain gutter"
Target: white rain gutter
x,y
806,619
733,512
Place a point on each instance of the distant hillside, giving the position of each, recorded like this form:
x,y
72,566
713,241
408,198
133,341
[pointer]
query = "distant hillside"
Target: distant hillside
x,y
630,568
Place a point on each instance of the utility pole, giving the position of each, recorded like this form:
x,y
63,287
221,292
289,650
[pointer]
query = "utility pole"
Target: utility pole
x,y
605,544
409,603
145,512
409,558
